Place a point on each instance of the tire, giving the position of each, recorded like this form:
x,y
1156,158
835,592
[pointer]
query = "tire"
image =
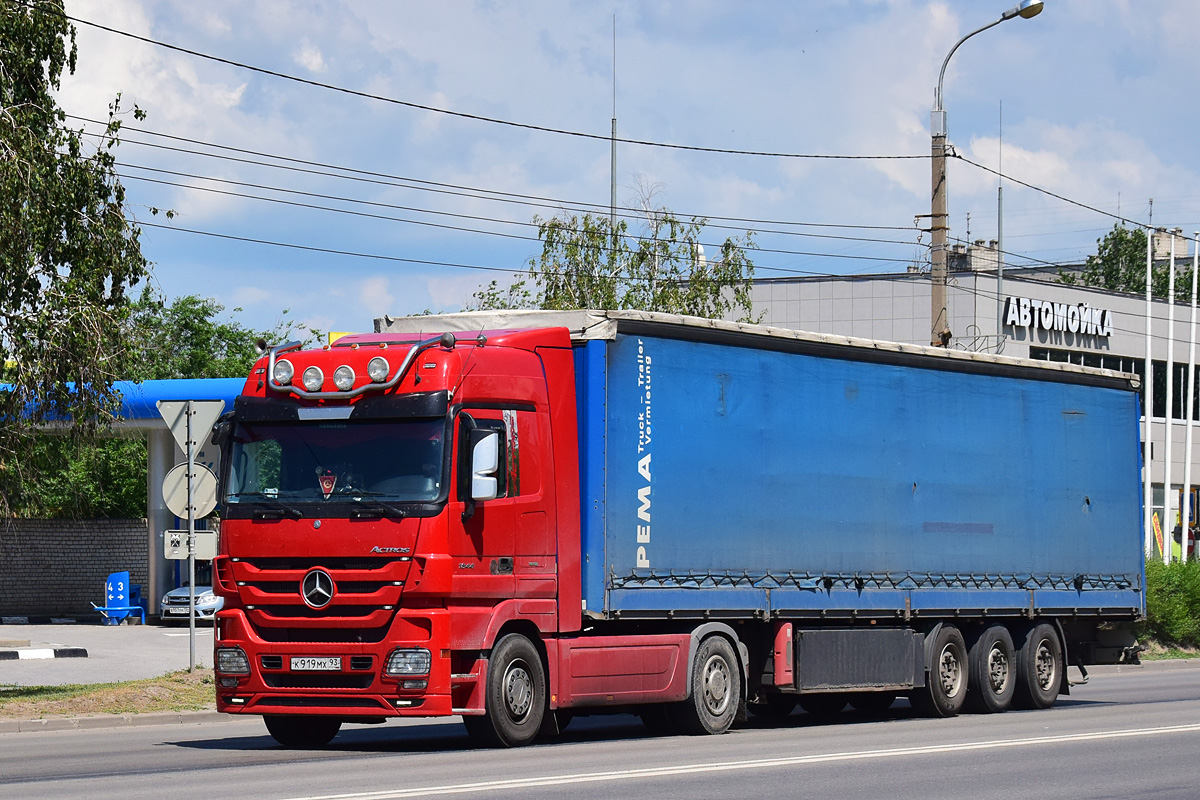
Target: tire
x,y
302,733
872,702
716,690
991,673
823,705
774,706
1039,667
515,696
945,689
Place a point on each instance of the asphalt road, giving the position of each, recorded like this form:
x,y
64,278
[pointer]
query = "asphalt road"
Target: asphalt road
x,y
1135,733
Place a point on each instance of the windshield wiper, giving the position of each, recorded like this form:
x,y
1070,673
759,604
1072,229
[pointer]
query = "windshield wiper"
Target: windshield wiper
x,y
375,507
276,509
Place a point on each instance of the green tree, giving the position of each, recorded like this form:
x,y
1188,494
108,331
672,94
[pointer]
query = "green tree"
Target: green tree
x,y
188,339
587,263
86,478
68,252
1120,265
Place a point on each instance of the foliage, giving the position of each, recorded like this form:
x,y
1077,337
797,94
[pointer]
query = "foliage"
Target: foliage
x,y
85,478
1120,265
187,339
587,263
1173,602
68,253
82,479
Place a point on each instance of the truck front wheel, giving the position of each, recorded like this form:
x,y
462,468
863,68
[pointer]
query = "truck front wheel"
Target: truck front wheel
x,y
1039,667
515,695
716,689
302,733
945,688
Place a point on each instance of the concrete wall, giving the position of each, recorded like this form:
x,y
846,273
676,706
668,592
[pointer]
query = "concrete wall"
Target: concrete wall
x,y
58,567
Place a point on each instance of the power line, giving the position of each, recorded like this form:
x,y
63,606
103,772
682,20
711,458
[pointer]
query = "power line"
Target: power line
x,y
474,217
1047,192
478,117
878,259
472,192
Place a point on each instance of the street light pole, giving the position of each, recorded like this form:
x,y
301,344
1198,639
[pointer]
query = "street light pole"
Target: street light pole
x,y
939,326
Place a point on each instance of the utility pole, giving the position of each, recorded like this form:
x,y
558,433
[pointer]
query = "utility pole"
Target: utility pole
x,y
939,328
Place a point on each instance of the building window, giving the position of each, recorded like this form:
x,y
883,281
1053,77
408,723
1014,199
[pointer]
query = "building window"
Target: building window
x,y
1134,365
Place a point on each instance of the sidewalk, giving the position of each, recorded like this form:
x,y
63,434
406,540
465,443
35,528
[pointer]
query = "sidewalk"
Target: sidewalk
x,y
110,653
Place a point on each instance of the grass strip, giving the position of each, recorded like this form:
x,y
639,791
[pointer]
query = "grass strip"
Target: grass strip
x,y
175,691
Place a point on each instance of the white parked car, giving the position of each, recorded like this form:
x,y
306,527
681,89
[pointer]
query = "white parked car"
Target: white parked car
x,y
174,604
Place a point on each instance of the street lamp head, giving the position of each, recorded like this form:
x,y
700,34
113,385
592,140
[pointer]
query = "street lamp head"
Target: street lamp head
x,y
1026,9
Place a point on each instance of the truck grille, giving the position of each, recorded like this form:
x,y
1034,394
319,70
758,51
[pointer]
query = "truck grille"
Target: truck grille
x,y
366,593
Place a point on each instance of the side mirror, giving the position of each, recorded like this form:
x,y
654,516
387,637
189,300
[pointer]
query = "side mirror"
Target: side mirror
x,y
485,461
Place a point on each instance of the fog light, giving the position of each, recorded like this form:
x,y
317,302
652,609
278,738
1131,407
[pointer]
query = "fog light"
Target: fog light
x,y
410,661
232,661
343,378
283,372
413,684
313,379
227,683
378,369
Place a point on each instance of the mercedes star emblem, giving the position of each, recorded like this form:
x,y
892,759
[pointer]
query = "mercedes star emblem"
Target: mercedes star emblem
x,y
317,588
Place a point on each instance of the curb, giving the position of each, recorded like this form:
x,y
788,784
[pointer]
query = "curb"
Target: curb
x,y
43,652
113,721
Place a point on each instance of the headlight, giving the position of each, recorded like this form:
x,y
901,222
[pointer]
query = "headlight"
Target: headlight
x,y
378,368
313,379
283,372
411,661
232,661
343,378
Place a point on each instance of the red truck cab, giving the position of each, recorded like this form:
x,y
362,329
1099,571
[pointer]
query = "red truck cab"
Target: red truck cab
x,y
392,508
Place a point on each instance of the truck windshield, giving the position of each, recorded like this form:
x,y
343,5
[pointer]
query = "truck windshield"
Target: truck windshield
x,y
322,462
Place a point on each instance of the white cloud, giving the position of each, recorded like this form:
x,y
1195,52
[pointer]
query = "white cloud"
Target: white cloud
x,y
374,295
309,56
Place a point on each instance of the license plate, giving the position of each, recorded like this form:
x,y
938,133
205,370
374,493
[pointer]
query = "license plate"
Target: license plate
x,y
312,664
178,611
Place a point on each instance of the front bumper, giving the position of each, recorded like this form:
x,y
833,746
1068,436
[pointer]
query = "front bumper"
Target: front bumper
x,y
357,688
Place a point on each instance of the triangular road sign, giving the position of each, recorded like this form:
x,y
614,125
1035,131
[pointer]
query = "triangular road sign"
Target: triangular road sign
x,y
204,416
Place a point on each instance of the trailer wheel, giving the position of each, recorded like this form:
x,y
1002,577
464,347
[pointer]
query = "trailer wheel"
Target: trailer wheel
x,y
302,733
945,688
774,706
515,697
716,690
1039,667
991,674
872,702
825,704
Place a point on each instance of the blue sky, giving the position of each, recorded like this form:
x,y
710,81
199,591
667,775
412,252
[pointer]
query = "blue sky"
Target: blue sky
x,y
1096,98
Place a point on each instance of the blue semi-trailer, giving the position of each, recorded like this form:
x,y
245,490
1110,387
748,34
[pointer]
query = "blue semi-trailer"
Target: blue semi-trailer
x,y
687,519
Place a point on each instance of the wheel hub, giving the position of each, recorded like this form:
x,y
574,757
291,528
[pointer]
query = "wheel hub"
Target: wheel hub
x,y
1045,666
997,664
950,671
716,685
518,690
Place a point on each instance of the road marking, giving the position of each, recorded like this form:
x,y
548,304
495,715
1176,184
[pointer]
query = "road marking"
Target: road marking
x,y
731,766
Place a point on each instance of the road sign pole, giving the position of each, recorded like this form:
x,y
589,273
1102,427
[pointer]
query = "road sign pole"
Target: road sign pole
x,y
191,541
195,496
